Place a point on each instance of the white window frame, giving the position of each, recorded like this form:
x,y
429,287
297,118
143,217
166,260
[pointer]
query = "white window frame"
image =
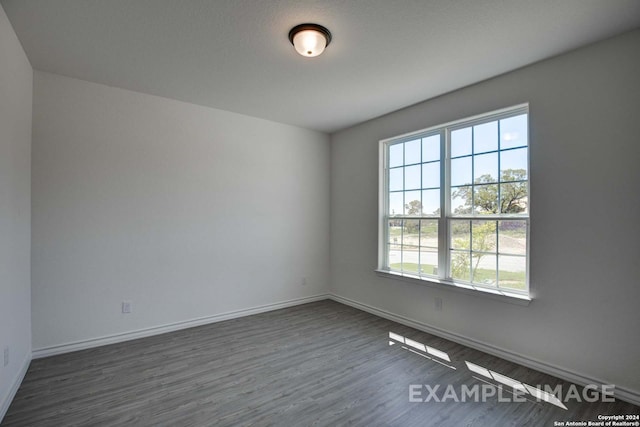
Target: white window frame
x,y
444,257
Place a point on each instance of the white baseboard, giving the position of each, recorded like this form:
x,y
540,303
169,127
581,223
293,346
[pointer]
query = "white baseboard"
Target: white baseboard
x,y
171,327
631,396
8,398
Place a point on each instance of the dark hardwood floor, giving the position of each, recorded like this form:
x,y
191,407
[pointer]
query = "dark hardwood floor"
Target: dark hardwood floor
x,y
323,364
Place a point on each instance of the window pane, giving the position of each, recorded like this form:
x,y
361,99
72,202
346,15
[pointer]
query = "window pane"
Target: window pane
x,y
461,142
485,168
485,137
484,236
514,198
411,232
395,179
461,171
395,232
429,233
512,272
512,237
483,269
431,202
412,152
513,132
410,256
396,203
412,203
396,156
431,175
461,200
429,261
460,234
460,266
409,267
485,199
513,165
431,148
394,257
412,177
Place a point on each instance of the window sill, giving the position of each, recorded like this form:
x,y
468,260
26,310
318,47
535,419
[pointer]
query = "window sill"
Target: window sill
x,y
499,295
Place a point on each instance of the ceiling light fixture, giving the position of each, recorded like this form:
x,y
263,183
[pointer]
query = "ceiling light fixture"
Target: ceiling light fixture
x,y
309,39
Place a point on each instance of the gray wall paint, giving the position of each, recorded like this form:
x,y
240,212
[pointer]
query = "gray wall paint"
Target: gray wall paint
x,y
185,210
585,187
16,79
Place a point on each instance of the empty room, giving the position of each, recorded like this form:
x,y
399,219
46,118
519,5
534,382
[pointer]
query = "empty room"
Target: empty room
x,y
319,213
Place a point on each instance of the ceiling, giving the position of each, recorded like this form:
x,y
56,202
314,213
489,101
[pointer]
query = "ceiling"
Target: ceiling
x,y
235,55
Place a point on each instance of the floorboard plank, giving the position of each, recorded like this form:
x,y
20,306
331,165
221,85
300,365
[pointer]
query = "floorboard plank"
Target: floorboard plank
x,y
317,364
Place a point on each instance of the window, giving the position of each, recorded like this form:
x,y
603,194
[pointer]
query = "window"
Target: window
x,y
455,203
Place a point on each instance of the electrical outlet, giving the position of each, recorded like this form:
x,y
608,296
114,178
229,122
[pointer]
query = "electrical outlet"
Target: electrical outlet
x,y
6,356
126,307
438,303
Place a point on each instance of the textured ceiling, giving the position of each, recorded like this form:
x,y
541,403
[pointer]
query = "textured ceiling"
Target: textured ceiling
x,y
235,55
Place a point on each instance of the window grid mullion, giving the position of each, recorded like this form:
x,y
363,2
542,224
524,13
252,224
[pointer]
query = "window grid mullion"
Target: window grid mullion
x,y
499,207
445,205
421,211
499,169
473,201
404,194
470,251
473,173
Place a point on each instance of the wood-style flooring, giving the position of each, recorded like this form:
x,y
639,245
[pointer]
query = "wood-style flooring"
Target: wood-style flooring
x,y
318,364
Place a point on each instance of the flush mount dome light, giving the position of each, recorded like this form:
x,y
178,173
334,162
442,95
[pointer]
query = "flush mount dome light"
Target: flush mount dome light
x,y
309,39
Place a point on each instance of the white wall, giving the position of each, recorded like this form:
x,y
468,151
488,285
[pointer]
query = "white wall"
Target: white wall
x,y
187,211
585,214
16,77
